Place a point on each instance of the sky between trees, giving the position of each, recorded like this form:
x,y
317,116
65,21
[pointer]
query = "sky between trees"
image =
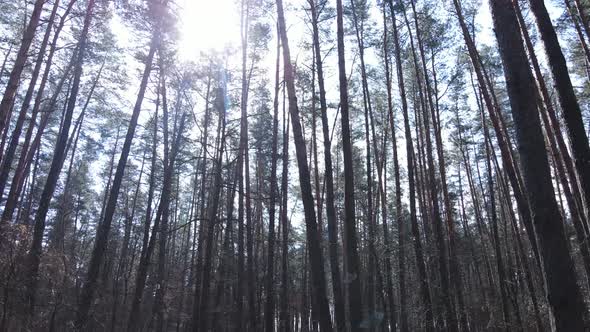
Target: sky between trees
x,y
309,165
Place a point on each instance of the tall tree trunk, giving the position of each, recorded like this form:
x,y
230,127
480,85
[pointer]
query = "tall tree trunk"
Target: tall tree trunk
x,y
353,267
252,319
583,17
141,274
495,233
547,110
339,312
503,141
313,239
26,155
227,259
198,266
371,273
60,222
244,207
158,307
34,256
285,315
403,313
270,293
8,155
571,111
432,183
19,64
521,254
423,279
468,235
212,212
123,260
431,93
560,154
104,227
580,34
564,294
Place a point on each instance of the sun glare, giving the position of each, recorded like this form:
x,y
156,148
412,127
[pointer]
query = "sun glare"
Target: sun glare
x,y
208,24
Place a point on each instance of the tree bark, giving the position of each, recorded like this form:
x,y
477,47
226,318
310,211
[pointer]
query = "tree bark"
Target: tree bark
x,y
144,257
270,293
450,314
28,148
285,319
212,212
566,96
19,64
401,229
313,240
493,217
353,268
34,256
8,155
339,313
423,279
102,233
583,17
564,294
503,141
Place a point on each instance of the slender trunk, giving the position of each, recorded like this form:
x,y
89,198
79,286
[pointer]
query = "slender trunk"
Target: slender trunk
x,y
339,312
24,215
313,240
8,155
226,261
270,293
34,256
28,149
123,259
503,141
494,223
547,110
285,316
566,96
455,276
476,263
521,254
158,308
19,64
432,184
144,258
583,17
580,34
6,56
72,145
198,266
102,233
353,267
370,282
403,314
564,294
576,215
423,279
252,320
212,212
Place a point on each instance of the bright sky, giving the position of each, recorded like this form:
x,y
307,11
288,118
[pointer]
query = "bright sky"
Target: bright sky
x,y
215,24
208,24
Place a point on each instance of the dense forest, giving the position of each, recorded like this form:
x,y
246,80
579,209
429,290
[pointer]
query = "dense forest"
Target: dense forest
x,y
347,165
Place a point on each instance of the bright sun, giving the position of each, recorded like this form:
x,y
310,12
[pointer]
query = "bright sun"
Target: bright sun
x,y
208,24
